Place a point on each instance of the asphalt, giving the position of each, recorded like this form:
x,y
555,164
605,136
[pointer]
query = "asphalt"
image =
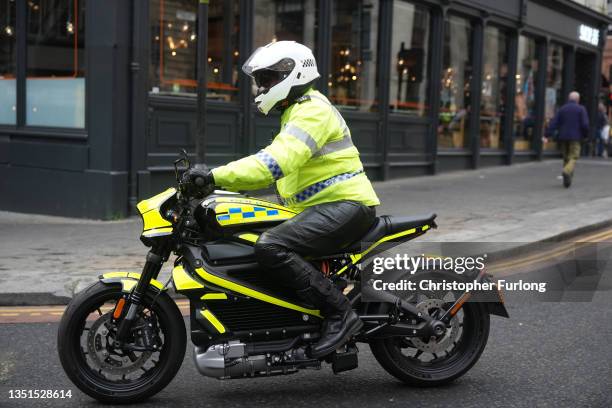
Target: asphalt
x,y
45,260
548,354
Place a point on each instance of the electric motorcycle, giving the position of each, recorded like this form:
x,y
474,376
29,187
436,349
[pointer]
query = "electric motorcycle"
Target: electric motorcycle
x,y
123,338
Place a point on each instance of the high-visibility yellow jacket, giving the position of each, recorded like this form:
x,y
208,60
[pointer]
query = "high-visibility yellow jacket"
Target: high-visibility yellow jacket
x,y
312,159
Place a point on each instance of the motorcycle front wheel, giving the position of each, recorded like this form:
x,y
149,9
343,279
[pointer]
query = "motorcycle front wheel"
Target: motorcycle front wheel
x,y
120,375
434,362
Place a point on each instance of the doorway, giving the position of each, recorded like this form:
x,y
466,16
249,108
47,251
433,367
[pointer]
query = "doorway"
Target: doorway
x,y
584,74
583,78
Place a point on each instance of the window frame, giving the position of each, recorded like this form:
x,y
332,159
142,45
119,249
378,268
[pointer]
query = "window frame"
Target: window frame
x,y
540,82
13,75
473,83
192,83
379,76
511,82
21,127
386,77
564,89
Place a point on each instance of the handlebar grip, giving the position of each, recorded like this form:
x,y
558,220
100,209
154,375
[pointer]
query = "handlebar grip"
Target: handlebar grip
x,y
199,181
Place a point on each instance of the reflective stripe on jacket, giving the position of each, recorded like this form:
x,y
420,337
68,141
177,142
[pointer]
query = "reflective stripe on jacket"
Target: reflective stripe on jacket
x,y
312,159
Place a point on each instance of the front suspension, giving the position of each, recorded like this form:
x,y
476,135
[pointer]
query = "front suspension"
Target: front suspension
x,y
134,301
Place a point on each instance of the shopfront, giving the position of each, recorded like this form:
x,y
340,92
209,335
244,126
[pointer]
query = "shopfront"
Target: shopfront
x,y
99,99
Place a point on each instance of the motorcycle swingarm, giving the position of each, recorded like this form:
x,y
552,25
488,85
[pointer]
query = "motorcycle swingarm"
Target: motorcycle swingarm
x,y
373,330
382,326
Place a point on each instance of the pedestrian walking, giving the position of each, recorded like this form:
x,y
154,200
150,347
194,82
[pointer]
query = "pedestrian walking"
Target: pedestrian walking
x,y
569,126
603,132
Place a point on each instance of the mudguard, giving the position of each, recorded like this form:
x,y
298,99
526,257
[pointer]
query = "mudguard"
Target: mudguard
x,y
128,280
493,301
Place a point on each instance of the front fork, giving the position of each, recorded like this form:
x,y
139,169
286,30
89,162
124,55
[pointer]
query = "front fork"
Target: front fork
x,y
150,271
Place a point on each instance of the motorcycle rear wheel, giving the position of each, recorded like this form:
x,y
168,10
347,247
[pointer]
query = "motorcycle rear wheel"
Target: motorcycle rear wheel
x,y
105,373
406,360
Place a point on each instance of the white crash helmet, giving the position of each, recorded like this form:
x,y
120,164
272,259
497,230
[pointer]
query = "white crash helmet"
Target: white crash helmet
x,y
277,68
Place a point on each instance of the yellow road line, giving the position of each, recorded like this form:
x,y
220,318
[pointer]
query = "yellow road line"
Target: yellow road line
x,y
596,237
541,257
30,309
37,311
532,260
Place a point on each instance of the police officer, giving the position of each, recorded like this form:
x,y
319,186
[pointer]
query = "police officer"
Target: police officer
x,y
317,171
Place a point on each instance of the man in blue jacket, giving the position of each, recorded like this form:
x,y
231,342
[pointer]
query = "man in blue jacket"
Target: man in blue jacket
x,y
571,124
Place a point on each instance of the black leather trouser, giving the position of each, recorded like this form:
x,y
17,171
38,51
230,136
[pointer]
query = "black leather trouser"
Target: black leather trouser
x,y
319,230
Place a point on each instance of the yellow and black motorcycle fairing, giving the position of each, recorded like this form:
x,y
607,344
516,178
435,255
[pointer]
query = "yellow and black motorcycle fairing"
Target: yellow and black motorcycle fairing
x,y
228,297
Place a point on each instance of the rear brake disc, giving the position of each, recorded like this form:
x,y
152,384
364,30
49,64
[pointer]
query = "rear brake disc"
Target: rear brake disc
x,y
439,344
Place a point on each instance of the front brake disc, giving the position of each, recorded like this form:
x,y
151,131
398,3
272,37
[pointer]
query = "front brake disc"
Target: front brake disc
x,y
106,356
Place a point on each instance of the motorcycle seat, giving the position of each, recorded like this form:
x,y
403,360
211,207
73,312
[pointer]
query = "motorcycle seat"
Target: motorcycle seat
x,y
389,225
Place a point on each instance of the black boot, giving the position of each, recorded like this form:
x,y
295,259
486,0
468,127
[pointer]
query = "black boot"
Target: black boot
x,y
340,321
336,331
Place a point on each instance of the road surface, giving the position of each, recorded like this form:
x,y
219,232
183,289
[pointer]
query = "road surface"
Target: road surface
x,y
549,354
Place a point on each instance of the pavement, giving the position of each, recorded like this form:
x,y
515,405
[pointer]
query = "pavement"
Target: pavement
x,y
45,260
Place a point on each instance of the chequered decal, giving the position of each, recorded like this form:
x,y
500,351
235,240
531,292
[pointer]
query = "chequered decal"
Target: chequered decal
x,y
317,187
308,63
245,212
270,163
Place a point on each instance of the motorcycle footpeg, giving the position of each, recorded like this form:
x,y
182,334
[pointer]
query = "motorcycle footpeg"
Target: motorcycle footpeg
x,y
344,361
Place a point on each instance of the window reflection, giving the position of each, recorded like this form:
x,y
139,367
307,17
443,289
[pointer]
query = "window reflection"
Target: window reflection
x,y
8,71
554,88
494,87
525,99
409,59
174,48
455,97
352,79
286,20
55,86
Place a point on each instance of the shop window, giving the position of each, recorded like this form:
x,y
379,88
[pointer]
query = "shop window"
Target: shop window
x,y
352,78
8,71
494,88
174,26
408,84
286,20
455,93
55,84
525,99
554,97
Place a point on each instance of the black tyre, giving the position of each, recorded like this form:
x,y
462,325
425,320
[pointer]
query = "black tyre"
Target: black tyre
x,y
112,375
427,363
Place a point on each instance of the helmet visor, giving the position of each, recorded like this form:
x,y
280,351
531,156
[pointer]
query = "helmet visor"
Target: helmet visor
x,y
264,78
284,65
268,77
247,68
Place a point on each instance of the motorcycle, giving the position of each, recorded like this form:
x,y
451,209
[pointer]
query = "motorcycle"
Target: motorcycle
x,y
123,339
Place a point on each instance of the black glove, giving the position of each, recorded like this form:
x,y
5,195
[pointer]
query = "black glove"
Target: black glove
x,y
197,181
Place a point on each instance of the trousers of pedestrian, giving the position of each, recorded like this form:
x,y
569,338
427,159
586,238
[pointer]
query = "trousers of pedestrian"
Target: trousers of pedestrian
x,y
319,230
570,149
